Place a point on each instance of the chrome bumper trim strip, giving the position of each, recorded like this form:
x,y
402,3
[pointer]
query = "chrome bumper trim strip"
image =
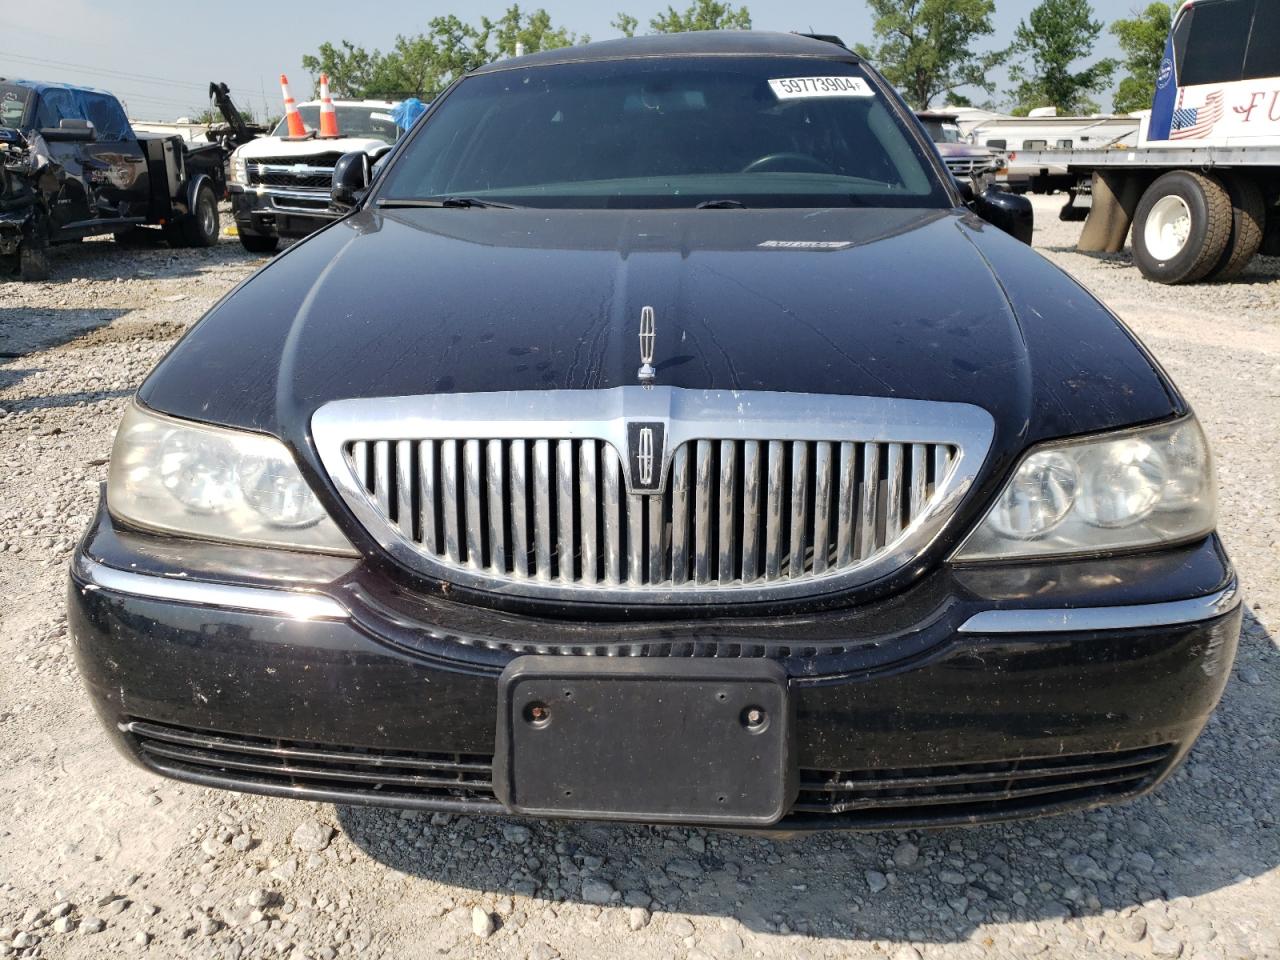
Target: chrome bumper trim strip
x,y
1086,619
91,575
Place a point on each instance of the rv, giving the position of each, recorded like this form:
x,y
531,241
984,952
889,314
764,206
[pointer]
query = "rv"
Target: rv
x,y
1013,137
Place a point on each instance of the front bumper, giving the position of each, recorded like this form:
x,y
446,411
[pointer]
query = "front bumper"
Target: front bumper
x,y
270,212
982,694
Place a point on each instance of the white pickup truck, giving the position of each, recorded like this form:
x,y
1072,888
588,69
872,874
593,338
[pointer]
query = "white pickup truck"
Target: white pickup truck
x,y
1201,190
280,185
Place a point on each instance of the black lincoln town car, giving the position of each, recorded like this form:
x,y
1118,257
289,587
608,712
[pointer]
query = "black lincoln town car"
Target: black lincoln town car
x,y
664,436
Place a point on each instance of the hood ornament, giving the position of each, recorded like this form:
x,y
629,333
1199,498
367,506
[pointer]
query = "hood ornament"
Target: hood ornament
x,y
648,336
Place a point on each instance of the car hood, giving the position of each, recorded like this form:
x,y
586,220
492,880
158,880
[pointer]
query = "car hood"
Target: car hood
x,y
310,147
924,304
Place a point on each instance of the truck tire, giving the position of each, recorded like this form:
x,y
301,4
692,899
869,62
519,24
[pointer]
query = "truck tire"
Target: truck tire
x,y
1248,225
256,243
1182,227
33,260
200,227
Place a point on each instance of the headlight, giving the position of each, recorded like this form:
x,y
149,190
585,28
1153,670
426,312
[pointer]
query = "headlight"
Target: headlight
x,y
1138,488
205,481
239,170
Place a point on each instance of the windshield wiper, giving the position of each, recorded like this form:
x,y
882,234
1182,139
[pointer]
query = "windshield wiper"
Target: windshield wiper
x,y
393,203
721,205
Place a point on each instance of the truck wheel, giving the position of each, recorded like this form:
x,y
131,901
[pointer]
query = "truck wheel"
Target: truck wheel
x,y
33,260
200,227
1182,227
1248,225
256,243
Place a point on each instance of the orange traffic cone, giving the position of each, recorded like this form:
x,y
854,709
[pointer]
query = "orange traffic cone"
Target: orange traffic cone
x,y
328,116
296,127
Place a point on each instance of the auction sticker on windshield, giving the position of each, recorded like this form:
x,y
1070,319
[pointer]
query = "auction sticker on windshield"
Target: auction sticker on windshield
x,y
795,88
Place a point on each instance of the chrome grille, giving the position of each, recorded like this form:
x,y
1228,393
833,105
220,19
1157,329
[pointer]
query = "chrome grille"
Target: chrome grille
x,y
968,167
735,512
762,494
308,172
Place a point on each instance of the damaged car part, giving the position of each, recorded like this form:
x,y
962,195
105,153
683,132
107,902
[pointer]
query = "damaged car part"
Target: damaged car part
x,y
77,169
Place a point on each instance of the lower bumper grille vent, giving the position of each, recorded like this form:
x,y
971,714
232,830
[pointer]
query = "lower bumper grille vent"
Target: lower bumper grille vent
x,y
977,789
828,799
294,768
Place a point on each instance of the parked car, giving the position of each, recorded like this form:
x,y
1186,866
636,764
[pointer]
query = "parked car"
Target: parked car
x,y
280,185
966,161
72,167
608,460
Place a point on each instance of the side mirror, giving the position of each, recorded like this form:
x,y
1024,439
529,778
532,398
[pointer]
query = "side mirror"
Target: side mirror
x,y
70,131
351,176
1005,211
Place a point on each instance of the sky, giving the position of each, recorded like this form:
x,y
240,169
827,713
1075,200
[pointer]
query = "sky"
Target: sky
x,y
160,64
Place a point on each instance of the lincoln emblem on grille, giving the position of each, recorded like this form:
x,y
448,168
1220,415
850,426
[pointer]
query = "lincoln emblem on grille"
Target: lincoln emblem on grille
x,y
648,334
644,456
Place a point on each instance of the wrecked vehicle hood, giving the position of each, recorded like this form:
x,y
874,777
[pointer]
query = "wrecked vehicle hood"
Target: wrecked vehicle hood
x,y
924,304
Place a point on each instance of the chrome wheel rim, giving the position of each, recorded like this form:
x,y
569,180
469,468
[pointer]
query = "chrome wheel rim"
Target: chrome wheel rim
x,y
1168,228
208,220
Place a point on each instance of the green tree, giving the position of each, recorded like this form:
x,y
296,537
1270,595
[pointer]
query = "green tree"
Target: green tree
x,y
625,24
926,47
531,31
1143,41
423,64
429,62
1054,36
701,15
410,69
351,69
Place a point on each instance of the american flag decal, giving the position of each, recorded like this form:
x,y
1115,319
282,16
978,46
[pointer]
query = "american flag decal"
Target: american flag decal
x,y
1196,123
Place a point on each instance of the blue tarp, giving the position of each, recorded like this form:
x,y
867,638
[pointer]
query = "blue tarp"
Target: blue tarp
x,y
64,101
406,112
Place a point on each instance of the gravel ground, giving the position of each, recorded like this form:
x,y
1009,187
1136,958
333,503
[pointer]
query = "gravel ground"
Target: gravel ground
x,y
99,859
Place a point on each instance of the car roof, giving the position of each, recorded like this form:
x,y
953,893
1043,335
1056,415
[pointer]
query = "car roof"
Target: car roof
x,y
40,86
746,43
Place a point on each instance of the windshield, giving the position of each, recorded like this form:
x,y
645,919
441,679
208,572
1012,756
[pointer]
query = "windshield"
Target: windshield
x,y
13,105
942,132
675,132
373,123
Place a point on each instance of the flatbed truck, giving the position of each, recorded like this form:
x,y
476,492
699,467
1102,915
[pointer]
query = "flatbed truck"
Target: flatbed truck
x,y
1200,193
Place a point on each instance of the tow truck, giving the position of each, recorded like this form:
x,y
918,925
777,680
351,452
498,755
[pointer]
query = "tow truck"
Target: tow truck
x,y
1201,190
71,166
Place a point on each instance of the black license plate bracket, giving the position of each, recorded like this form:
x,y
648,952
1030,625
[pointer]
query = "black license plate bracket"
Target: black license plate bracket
x,y
646,740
